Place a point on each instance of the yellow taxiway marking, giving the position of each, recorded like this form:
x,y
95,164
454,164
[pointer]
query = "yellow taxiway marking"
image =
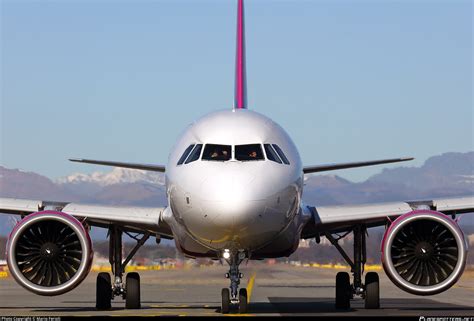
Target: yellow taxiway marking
x,y
463,287
250,285
169,306
162,313
239,315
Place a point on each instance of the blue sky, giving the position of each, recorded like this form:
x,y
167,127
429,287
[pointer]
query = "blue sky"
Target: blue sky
x,y
349,80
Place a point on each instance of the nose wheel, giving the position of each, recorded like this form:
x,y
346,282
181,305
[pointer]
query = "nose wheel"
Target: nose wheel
x,y
232,297
241,304
225,306
243,301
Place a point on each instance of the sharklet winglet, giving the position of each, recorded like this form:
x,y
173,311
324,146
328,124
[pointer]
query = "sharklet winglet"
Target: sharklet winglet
x,y
240,73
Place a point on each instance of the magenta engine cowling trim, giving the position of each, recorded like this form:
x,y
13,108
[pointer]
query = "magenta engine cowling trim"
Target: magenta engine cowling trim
x,y
86,245
395,228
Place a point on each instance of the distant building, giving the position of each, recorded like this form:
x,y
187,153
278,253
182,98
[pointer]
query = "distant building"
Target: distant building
x,y
100,260
326,242
471,239
304,243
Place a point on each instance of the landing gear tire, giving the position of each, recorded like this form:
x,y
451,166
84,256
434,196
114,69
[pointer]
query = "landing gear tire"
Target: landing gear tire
x,y
243,301
225,305
103,292
132,288
343,291
372,291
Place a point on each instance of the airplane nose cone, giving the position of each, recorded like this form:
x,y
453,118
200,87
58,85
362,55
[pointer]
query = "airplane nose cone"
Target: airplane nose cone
x,y
231,200
234,206
230,187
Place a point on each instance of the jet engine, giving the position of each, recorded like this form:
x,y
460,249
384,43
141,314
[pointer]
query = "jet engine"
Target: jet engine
x,y
49,253
424,252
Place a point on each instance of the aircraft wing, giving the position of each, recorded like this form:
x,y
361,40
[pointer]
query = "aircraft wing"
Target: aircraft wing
x,y
131,218
342,217
145,167
333,167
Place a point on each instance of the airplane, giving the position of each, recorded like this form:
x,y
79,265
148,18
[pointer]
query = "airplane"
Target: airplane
x,y
234,181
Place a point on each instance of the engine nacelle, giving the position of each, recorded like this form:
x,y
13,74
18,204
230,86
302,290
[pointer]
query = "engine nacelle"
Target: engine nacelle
x,y
49,253
424,252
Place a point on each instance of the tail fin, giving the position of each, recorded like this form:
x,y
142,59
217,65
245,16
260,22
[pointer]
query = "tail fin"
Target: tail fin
x,y
240,73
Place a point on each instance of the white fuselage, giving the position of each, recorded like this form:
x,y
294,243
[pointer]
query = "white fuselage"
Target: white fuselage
x,y
233,204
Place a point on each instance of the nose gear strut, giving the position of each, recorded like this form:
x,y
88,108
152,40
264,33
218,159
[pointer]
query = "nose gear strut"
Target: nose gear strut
x,y
234,296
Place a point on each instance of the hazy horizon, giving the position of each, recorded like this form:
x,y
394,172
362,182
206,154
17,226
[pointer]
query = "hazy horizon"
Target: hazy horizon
x,y
339,173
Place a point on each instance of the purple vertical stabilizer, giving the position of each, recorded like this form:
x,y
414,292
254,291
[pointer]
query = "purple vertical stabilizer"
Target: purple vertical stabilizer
x,y
240,74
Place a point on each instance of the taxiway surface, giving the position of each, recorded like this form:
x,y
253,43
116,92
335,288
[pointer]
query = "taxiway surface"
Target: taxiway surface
x,y
273,290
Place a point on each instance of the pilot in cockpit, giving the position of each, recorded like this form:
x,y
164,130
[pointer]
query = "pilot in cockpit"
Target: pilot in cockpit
x,y
215,154
220,154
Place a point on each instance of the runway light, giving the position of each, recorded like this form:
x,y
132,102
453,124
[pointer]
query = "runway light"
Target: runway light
x,y
226,254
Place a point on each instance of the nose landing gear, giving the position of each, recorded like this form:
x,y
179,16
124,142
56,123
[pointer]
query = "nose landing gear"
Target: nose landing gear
x,y
232,296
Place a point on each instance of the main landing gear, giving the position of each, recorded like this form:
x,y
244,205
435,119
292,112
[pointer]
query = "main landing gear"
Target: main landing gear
x,y
232,296
345,291
129,290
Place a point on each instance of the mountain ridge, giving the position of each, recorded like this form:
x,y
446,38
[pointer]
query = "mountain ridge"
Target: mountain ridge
x,y
446,175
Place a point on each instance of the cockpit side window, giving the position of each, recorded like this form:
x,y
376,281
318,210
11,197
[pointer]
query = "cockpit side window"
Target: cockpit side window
x,y
271,154
194,154
249,152
281,154
213,152
185,154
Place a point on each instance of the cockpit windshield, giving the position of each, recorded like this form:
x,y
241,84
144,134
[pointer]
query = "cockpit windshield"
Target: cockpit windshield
x,y
222,153
194,156
213,152
271,154
281,154
185,154
251,152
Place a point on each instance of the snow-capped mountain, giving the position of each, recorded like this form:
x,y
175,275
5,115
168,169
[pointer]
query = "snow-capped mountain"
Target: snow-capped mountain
x,y
116,176
450,174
